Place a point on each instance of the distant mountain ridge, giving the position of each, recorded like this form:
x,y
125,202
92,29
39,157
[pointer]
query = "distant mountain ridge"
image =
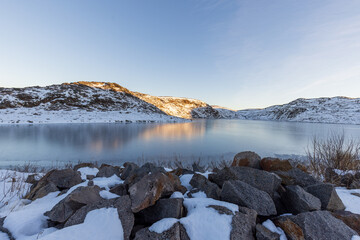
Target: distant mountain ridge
x,y
122,103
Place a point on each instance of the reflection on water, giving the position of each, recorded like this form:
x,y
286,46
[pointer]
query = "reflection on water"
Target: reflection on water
x,y
116,143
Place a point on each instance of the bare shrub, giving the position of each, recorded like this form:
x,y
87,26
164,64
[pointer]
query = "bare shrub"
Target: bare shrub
x,y
335,152
12,186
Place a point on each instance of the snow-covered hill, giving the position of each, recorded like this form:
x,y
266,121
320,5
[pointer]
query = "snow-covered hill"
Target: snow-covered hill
x,y
324,110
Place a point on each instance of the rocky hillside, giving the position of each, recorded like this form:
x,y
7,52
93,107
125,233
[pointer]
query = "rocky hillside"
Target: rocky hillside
x,y
325,110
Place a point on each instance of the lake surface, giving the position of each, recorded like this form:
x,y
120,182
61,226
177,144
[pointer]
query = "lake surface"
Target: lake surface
x,y
209,140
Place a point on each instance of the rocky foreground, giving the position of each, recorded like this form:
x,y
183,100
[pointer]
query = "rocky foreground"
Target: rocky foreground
x,y
264,199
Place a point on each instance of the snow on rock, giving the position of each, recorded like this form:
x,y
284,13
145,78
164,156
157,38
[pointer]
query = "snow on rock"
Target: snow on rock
x,y
87,171
351,202
101,223
163,225
177,195
107,183
185,181
107,195
271,226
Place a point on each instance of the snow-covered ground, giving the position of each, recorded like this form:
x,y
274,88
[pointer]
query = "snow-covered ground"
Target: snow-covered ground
x,y
36,116
323,110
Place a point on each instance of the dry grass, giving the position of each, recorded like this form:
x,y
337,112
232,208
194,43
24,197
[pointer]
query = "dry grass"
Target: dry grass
x,y
12,186
336,152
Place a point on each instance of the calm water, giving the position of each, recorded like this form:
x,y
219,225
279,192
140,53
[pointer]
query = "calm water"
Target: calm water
x,y
211,140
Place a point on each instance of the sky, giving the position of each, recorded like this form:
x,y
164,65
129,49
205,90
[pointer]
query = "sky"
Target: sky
x,y
236,54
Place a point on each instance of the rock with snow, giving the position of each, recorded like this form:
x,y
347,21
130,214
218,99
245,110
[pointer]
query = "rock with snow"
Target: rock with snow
x,y
245,195
275,164
129,169
53,181
123,206
164,208
297,200
106,170
247,159
83,165
152,187
262,233
320,225
328,196
138,173
201,183
74,201
262,180
175,232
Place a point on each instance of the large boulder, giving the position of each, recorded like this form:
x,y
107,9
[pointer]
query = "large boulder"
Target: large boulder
x,y
247,159
262,233
275,164
164,208
349,218
72,202
296,176
243,194
123,206
328,196
203,184
262,180
128,170
297,200
106,170
57,180
176,232
243,224
138,173
152,187
319,225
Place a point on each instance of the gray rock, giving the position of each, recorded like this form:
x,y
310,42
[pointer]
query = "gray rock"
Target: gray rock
x,y
32,179
123,206
245,195
262,233
319,225
297,200
326,192
243,225
57,180
119,190
247,159
197,168
203,184
74,201
262,180
296,177
176,232
152,187
128,170
108,171
349,218
164,208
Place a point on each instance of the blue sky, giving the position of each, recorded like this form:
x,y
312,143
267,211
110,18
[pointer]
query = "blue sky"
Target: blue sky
x,y
238,54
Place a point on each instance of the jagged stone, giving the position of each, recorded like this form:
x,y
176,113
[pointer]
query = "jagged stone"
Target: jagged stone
x,y
349,218
262,233
247,159
45,190
119,190
297,200
319,225
164,208
296,177
176,232
123,206
243,224
328,196
128,170
275,164
106,170
138,173
203,184
150,188
262,180
74,201
245,195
